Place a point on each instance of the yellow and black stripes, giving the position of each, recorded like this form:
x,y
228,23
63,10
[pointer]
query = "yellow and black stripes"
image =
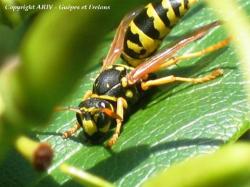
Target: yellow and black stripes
x,y
100,108
145,33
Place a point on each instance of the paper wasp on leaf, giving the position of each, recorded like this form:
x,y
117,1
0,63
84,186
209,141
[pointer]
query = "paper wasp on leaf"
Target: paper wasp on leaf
x,y
118,87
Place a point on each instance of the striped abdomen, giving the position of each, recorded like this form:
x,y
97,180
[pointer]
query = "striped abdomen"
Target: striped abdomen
x,y
145,33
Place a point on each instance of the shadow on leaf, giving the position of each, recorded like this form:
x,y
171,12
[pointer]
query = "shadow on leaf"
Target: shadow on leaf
x,y
121,163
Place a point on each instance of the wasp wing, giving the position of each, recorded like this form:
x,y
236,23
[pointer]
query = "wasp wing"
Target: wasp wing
x,y
154,63
116,46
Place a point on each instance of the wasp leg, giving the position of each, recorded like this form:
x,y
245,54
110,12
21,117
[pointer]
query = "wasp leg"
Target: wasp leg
x,y
169,79
212,48
121,104
155,62
116,47
87,95
71,131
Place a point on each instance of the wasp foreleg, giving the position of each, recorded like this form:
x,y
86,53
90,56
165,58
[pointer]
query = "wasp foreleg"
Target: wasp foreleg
x,y
121,104
71,131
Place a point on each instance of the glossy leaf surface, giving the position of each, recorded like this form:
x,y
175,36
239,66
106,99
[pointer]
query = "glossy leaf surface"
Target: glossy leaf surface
x,y
172,123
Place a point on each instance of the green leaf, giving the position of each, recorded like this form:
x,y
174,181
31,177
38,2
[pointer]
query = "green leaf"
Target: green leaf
x,y
229,166
172,123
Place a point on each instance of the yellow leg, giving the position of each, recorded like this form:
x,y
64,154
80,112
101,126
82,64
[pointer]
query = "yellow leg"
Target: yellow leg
x,y
71,131
169,79
215,47
121,104
87,95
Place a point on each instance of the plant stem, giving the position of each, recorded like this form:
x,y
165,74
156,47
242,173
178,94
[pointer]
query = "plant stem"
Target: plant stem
x,y
38,154
83,177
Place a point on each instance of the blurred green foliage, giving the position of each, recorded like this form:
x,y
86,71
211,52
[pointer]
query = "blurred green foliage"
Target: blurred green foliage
x,y
228,166
32,88
173,123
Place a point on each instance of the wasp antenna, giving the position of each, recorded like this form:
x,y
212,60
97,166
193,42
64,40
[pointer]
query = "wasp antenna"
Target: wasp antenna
x,y
68,108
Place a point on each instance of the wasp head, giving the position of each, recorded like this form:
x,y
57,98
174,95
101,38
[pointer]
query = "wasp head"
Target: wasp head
x,y
94,118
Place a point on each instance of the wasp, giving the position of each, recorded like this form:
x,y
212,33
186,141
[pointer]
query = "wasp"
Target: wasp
x,y
118,87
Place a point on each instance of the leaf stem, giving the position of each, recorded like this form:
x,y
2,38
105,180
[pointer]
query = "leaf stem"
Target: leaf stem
x,y
83,177
39,154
